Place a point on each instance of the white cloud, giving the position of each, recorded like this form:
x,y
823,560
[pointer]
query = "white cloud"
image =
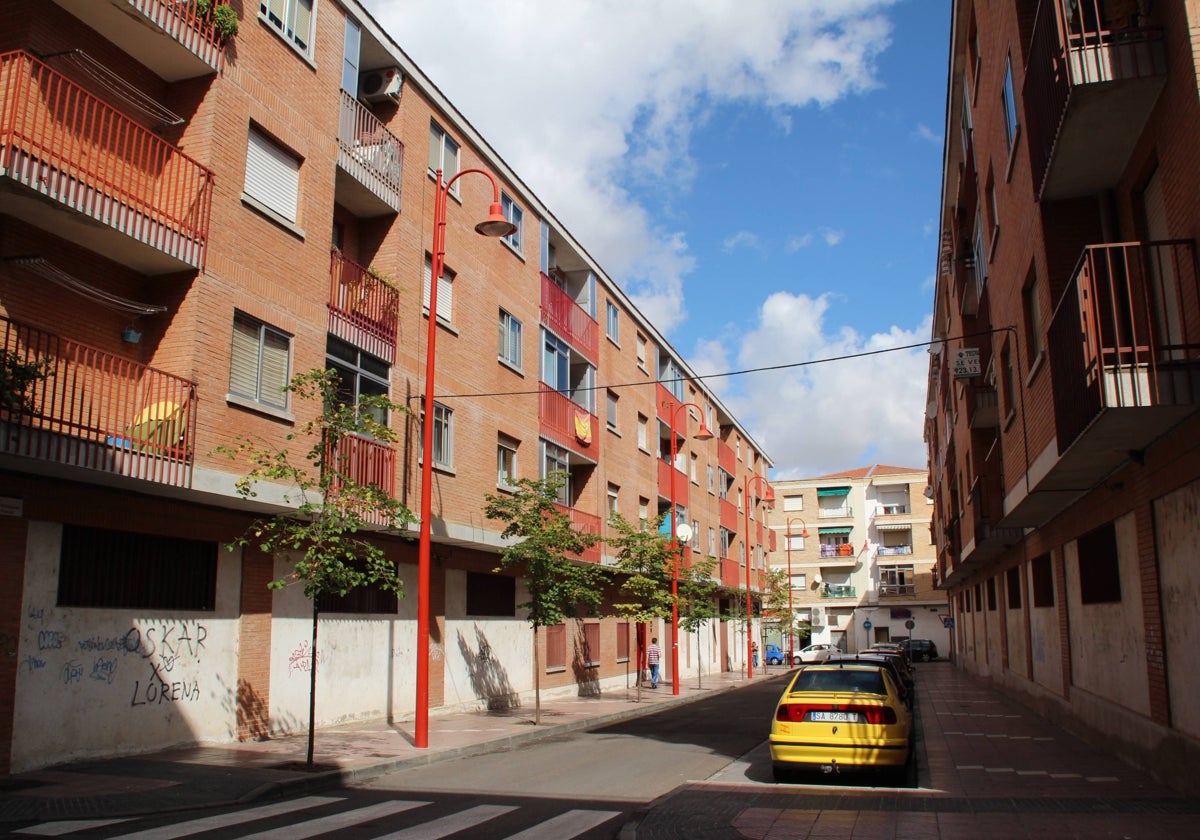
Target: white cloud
x,y
926,133
584,97
832,237
741,239
836,413
801,241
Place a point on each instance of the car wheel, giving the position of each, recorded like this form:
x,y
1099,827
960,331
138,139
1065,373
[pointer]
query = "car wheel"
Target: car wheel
x,y
782,773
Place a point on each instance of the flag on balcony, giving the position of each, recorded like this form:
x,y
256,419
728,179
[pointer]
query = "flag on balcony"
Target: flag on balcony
x,y
583,427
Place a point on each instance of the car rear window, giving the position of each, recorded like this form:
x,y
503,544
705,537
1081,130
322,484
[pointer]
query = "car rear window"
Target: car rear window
x,y
830,679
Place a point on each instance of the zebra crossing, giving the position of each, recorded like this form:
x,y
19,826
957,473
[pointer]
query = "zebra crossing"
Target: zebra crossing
x,y
317,816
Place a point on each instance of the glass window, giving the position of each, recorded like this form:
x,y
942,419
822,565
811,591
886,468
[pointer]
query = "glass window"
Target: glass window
x,y
555,460
260,364
445,292
556,363
506,462
641,351
510,340
443,437
611,323
612,410
613,499
711,479
1009,100
793,502
351,49
1032,306
360,375
516,215
272,177
443,155
643,425
293,19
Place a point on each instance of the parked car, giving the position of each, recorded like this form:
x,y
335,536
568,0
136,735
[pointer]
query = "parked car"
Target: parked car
x,y
899,670
890,647
843,716
772,655
813,653
920,649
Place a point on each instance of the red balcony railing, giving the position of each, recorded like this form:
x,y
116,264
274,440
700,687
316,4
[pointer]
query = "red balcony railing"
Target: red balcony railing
x,y
584,523
365,462
182,21
370,152
59,140
567,423
726,457
664,483
569,320
730,520
1125,334
363,307
731,573
97,410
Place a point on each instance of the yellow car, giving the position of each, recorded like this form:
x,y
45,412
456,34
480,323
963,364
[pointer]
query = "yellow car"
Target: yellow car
x,y
838,717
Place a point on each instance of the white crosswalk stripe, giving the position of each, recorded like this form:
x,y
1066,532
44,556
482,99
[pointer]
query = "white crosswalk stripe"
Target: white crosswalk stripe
x,y
58,829
565,826
436,829
320,825
186,829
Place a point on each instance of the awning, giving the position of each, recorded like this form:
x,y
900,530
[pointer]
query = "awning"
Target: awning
x,y
894,526
833,491
831,531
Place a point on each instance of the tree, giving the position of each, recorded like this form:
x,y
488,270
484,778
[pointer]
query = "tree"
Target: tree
x,y
322,535
698,602
645,560
775,604
544,536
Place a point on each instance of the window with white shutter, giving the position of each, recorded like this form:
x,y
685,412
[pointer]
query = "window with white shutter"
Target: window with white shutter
x,y
272,176
445,292
260,362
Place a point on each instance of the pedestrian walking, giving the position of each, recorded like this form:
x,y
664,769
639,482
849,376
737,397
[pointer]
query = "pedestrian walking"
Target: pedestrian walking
x,y
653,657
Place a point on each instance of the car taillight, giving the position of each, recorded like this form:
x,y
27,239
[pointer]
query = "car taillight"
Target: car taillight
x,y
796,712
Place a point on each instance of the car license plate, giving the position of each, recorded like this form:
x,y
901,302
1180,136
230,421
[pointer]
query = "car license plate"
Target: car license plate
x,y
834,717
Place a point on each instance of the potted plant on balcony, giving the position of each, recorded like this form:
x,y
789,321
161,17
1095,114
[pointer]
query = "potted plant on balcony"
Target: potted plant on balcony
x,y
223,18
16,377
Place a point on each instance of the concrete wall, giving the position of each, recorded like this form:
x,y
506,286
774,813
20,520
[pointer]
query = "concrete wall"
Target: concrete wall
x,y
1177,518
102,682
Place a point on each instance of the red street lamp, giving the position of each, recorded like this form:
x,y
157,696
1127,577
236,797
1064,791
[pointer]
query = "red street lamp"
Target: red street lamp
x,y
769,498
791,610
702,434
494,225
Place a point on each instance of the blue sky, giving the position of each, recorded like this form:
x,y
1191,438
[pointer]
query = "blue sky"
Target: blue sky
x,y
760,176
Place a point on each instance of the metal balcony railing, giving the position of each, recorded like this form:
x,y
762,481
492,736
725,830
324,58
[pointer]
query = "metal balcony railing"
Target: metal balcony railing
x,y
569,320
369,151
894,589
842,550
892,550
836,590
363,307
835,513
68,145
96,410
366,462
585,523
567,423
182,20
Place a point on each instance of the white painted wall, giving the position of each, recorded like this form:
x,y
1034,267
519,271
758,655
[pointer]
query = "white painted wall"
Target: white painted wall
x,y
1108,641
94,682
1177,521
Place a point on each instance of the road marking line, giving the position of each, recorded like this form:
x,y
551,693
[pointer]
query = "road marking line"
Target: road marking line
x,y
436,829
184,829
565,825
335,822
61,827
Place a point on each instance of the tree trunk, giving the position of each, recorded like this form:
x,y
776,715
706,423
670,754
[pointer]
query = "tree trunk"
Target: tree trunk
x,y
312,688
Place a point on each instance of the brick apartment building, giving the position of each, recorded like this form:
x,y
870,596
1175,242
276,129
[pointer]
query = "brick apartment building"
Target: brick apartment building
x,y
1065,378
856,545
187,220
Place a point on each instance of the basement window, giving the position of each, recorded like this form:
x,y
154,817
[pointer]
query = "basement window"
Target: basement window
x,y
1099,566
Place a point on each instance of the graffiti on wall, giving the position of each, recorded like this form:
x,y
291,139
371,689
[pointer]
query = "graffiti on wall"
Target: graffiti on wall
x,y
301,658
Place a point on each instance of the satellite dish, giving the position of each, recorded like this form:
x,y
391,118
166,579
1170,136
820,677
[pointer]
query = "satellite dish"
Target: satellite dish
x,y
684,532
816,578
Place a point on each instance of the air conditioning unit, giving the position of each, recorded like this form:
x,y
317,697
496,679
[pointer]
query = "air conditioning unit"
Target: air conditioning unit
x,y
818,616
380,85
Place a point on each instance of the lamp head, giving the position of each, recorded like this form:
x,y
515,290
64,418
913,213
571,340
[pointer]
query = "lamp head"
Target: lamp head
x,y
495,225
769,496
704,433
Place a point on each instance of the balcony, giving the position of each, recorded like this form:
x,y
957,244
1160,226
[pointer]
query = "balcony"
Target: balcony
x,y
98,411
985,406
569,321
1125,365
363,308
894,590
567,423
367,463
893,550
731,573
730,520
665,473
726,457
844,552
838,590
984,511
69,161
844,512
370,162
585,523
172,39
1090,85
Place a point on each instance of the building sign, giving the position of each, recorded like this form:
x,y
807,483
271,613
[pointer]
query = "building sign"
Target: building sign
x,y
966,363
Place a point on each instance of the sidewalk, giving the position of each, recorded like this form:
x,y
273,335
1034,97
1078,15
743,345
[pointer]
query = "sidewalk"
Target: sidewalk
x,y
196,777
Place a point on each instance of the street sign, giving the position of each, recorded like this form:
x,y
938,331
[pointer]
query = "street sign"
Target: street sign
x,y
867,624
910,624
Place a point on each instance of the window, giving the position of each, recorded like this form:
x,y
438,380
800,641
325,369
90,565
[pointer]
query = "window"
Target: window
x,y
670,375
362,600
800,581
260,365
623,641
978,599
1032,310
793,503
443,437
293,19
897,580
1012,579
359,375
272,178
1042,572
643,424
516,215
555,460
643,508
991,594
612,324
556,363
794,542
614,493
611,416
121,570
1008,384
1099,566
351,51
591,644
712,542
695,534
641,351
506,462
445,292
492,595
1009,101
994,210
711,476
443,155
510,339
693,468
556,647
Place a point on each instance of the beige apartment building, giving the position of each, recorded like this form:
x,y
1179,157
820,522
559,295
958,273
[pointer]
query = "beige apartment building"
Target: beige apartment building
x,y
190,215
861,563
